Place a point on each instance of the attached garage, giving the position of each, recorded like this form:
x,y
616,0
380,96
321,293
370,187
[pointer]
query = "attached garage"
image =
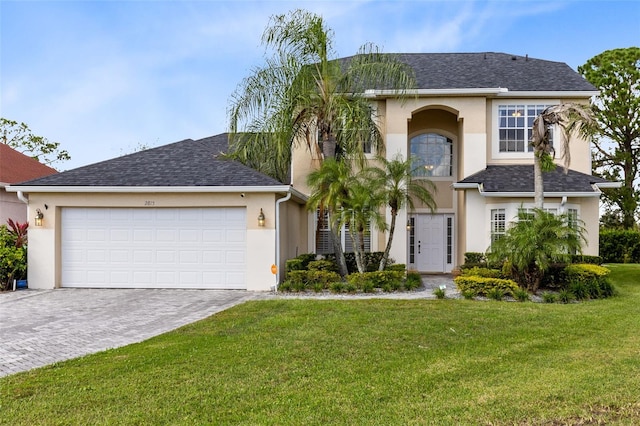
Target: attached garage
x,y
177,216
154,247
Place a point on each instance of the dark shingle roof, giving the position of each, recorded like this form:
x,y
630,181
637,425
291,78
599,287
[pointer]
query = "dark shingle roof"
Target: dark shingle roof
x,y
184,163
491,70
519,178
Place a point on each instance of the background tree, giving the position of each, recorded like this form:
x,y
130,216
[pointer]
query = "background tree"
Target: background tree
x,y
572,119
616,74
19,137
534,242
304,95
393,179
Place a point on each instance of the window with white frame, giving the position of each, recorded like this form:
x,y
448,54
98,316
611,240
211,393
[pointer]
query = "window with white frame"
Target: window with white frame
x,y
323,236
433,155
515,124
498,224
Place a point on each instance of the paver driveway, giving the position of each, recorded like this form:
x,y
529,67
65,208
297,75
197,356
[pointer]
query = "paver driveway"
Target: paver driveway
x,y
40,327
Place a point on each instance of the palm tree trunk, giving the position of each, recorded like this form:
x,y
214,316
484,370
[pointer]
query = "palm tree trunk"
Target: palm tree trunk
x,y
538,183
387,249
339,253
358,252
329,147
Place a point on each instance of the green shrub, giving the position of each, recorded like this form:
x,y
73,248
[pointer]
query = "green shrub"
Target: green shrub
x,y
565,296
299,263
412,281
475,257
401,267
496,293
322,277
521,295
372,260
322,265
481,285
286,286
549,297
620,246
13,257
297,277
386,280
337,287
294,264
468,294
585,270
313,279
483,272
579,289
440,293
583,258
367,287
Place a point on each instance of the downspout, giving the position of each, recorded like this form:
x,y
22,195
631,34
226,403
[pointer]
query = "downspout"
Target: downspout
x,y
22,198
278,202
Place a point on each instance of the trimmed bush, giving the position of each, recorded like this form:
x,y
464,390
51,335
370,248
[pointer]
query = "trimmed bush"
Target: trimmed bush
x,y
482,285
299,263
322,265
401,267
620,246
475,257
314,279
386,280
483,272
583,258
589,281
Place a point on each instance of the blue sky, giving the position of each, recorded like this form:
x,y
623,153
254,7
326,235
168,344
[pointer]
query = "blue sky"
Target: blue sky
x,y
104,77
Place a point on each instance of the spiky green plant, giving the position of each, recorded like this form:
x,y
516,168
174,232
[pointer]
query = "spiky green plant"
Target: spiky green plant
x,y
534,241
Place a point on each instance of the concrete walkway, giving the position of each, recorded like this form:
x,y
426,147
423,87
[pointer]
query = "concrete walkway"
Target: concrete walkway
x,y
40,327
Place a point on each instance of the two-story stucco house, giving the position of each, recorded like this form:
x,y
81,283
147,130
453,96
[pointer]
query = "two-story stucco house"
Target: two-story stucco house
x,y
182,216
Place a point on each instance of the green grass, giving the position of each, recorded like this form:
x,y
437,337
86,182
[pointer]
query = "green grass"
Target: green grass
x,y
377,362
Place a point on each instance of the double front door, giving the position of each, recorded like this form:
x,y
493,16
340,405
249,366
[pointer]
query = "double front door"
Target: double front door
x,y
431,242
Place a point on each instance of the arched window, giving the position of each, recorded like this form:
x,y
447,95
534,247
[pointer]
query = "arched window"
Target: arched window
x,y
433,155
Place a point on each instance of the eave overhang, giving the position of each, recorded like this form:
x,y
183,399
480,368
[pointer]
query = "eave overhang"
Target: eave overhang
x,y
282,189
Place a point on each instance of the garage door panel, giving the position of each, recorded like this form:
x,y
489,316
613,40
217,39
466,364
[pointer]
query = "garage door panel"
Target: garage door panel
x,y
154,248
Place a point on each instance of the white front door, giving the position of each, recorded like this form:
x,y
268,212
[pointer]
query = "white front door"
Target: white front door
x,y
431,245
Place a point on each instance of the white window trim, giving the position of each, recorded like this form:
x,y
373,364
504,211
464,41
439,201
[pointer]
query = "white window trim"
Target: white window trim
x,y
511,213
495,135
454,154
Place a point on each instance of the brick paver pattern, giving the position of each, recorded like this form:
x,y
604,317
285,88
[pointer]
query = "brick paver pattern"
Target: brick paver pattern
x,y
40,327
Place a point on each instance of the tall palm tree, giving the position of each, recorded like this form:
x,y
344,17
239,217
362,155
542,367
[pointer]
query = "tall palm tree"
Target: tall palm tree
x,y
571,118
303,95
397,187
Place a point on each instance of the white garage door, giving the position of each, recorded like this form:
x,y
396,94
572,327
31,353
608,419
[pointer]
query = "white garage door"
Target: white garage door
x,y
154,247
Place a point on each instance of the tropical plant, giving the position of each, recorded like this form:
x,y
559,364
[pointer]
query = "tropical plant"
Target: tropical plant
x,y
18,231
534,242
330,191
393,179
358,212
616,75
572,119
303,95
13,257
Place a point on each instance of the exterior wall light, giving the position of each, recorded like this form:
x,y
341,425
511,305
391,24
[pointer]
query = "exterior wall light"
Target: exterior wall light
x,y
39,217
261,218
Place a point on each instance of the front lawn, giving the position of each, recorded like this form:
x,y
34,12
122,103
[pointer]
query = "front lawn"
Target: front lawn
x,y
379,362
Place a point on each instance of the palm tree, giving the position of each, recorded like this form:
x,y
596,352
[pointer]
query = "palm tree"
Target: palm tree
x,y
571,118
534,242
304,96
330,185
394,180
360,210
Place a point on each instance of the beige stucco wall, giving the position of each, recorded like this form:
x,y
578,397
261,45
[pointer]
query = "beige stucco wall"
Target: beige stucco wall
x,y
45,247
11,207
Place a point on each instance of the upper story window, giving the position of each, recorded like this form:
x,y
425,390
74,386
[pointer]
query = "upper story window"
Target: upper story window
x,y
433,155
514,126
